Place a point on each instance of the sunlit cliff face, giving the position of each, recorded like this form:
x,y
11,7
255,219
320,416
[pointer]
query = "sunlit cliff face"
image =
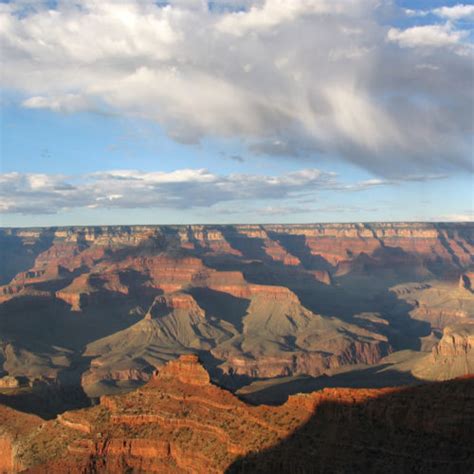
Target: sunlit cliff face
x,y
180,422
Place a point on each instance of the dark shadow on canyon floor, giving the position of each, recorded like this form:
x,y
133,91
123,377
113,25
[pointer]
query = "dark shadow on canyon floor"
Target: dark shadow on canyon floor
x,y
16,257
277,390
427,428
46,401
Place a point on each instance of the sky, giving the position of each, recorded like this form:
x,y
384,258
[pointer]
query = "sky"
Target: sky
x,y
242,111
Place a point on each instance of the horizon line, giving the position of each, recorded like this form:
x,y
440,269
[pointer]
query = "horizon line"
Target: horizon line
x,y
238,224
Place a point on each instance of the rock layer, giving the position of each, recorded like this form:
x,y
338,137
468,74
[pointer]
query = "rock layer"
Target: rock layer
x,y
259,300
181,423
452,356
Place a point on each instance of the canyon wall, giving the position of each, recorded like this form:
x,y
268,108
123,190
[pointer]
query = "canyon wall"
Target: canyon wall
x,y
181,423
109,305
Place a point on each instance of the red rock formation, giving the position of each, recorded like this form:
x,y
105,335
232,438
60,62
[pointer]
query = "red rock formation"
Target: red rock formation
x,y
14,427
181,423
83,287
303,362
169,274
177,301
207,239
6,456
233,283
338,243
91,377
186,370
337,270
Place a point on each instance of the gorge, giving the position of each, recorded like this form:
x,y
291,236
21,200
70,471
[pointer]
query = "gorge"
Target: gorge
x,y
98,325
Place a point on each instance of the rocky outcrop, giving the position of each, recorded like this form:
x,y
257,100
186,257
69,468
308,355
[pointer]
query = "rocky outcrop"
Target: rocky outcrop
x,y
388,430
277,323
181,423
77,292
89,285
440,303
452,356
206,239
181,301
99,372
14,427
313,363
457,340
186,369
170,274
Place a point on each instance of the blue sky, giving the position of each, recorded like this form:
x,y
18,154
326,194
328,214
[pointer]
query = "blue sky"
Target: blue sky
x,y
316,112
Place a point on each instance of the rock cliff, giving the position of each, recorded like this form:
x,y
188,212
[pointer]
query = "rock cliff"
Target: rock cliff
x,y
109,305
180,422
452,356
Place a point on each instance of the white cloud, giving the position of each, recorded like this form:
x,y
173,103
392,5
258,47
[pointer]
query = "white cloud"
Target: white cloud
x,y
62,103
270,14
411,12
159,177
456,12
299,78
180,189
426,35
452,13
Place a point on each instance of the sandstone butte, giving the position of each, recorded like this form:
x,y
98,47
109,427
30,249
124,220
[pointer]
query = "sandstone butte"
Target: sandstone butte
x,y
179,422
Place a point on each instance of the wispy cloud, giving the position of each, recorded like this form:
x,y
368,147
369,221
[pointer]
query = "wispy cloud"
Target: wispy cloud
x,y
299,78
179,189
468,216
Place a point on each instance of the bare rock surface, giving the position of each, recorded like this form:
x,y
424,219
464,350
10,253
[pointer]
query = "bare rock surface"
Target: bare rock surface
x,y
180,422
105,307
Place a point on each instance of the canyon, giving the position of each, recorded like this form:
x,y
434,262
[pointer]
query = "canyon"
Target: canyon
x,y
213,348
179,422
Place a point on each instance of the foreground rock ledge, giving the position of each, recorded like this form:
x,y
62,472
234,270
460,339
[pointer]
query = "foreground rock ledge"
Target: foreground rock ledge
x,y
181,423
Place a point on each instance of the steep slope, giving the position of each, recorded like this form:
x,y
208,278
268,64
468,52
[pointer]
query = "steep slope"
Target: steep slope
x,y
181,423
282,337
14,429
451,357
174,325
272,300
438,302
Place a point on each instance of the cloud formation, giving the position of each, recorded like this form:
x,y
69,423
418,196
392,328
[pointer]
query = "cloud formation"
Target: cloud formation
x,y
456,12
301,78
427,35
27,193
